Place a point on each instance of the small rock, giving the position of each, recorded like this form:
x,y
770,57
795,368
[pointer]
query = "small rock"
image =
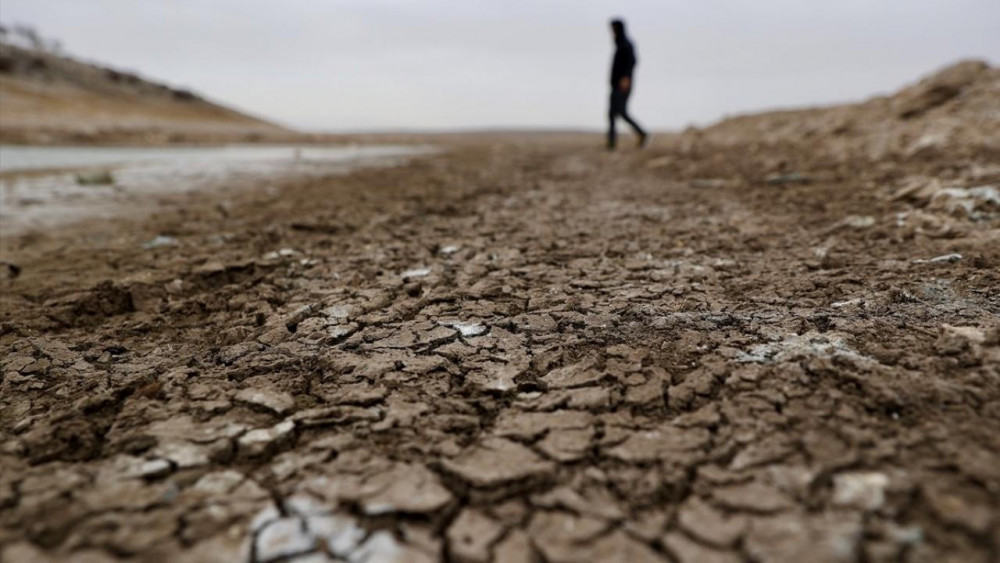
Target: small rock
x,y
265,440
860,490
160,241
416,273
184,455
154,469
467,328
339,313
859,221
943,259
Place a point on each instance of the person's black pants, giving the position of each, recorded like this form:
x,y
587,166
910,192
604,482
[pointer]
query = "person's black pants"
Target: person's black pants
x,y
618,106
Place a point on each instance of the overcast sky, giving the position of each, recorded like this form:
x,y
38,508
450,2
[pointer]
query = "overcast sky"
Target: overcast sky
x,y
343,65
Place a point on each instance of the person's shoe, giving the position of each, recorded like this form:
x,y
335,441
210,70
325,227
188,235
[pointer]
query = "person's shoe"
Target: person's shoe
x,y
644,140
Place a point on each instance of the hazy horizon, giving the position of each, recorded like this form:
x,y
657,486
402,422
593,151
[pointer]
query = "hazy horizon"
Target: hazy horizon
x,y
407,65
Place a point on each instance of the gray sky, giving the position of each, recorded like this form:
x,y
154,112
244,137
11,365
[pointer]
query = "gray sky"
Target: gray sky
x,y
341,65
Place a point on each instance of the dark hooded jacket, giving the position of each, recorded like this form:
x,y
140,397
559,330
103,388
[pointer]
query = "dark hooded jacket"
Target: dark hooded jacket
x,y
625,60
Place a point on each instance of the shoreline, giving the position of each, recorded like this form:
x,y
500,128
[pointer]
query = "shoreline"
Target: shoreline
x,y
40,197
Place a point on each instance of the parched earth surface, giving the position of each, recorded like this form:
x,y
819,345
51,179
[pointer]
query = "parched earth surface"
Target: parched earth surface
x,y
704,352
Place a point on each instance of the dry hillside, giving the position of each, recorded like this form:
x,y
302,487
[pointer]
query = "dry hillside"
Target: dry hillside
x,y
45,98
954,109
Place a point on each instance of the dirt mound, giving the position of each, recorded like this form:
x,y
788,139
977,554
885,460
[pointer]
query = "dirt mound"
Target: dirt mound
x,y
50,98
939,88
957,108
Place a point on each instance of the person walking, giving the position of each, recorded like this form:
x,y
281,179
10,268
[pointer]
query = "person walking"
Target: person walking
x,y
622,70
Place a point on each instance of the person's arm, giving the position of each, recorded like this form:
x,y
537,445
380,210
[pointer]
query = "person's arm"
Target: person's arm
x,y
628,64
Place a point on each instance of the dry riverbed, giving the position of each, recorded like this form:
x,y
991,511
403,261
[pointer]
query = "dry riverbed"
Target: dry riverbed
x,y
514,352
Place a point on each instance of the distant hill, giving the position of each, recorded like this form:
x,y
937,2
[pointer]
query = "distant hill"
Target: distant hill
x,y
49,98
954,110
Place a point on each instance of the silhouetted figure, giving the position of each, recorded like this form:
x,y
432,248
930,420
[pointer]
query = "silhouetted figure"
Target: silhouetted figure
x,y
621,84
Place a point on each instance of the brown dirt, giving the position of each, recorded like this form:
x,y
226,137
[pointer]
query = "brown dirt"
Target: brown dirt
x,y
51,99
709,351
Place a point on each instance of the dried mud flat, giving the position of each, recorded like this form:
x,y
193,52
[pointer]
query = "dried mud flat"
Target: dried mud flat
x,y
521,352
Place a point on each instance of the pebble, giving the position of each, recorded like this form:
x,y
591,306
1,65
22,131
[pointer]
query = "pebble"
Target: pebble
x,y
160,242
863,490
184,455
416,273
260,441
154,469
847,303
467,329
943,259
859,221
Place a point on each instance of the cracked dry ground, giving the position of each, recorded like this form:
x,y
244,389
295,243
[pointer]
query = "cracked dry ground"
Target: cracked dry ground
x,y
511,353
